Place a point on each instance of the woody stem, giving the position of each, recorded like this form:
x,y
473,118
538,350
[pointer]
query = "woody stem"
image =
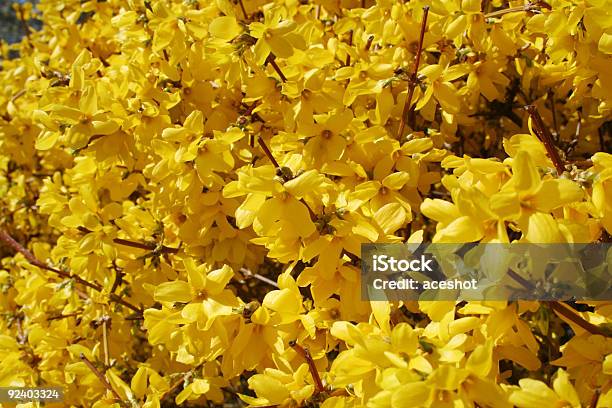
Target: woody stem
x,y
559,307
100,376
285,177
408,110
17,247
545,137
527,7
272,61
305,354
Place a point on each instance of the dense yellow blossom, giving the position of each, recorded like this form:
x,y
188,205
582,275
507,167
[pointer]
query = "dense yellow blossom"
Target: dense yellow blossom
x,y
188,183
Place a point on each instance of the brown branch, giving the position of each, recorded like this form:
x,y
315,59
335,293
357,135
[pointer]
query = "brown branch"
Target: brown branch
x,y
545,137
269,154
595,399
100,376
408,110
17,247
139,245
305,354
583,164
18,95
26,28
105,340
178,383
563,310
559,307
257,276
526,7
285,176
244,12
551,95
61,316
350,43
271,59
369,42
118,277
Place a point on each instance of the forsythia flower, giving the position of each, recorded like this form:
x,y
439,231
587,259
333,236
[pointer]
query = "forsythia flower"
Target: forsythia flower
x,y
185,186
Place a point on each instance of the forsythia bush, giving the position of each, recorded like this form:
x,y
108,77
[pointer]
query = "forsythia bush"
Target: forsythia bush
x,y
185,186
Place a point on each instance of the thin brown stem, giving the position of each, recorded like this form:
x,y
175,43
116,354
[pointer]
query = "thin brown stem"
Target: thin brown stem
x,y
526,7
282,174
100,376
17,247
369,42
305,354
105,340
551,96
257,276
244,12
18,95
350,43
24,23
22,338
408,110
545,137
180,382
595,399
569,314
118,277
268,153
559,307
125,242
272,61
62,316
582,164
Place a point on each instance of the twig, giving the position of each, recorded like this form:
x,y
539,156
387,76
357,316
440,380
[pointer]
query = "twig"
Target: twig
x,y
551,96
369,42
61,316
22,338
105,321
244,13
271,59
118,277
18,95
412,82
17,247
100,376
350,43
285,176
24,23
268,153
526,7
259,277
582,164
559,307
149,247
595,399
305,354
178,383
545,137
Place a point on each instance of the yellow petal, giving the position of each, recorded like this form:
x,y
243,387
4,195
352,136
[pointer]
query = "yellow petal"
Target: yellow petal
x,y
224,27
390,217
414,394
176,291
555,193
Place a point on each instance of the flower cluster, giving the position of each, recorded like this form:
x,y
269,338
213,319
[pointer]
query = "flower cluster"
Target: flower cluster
x,y
185,186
